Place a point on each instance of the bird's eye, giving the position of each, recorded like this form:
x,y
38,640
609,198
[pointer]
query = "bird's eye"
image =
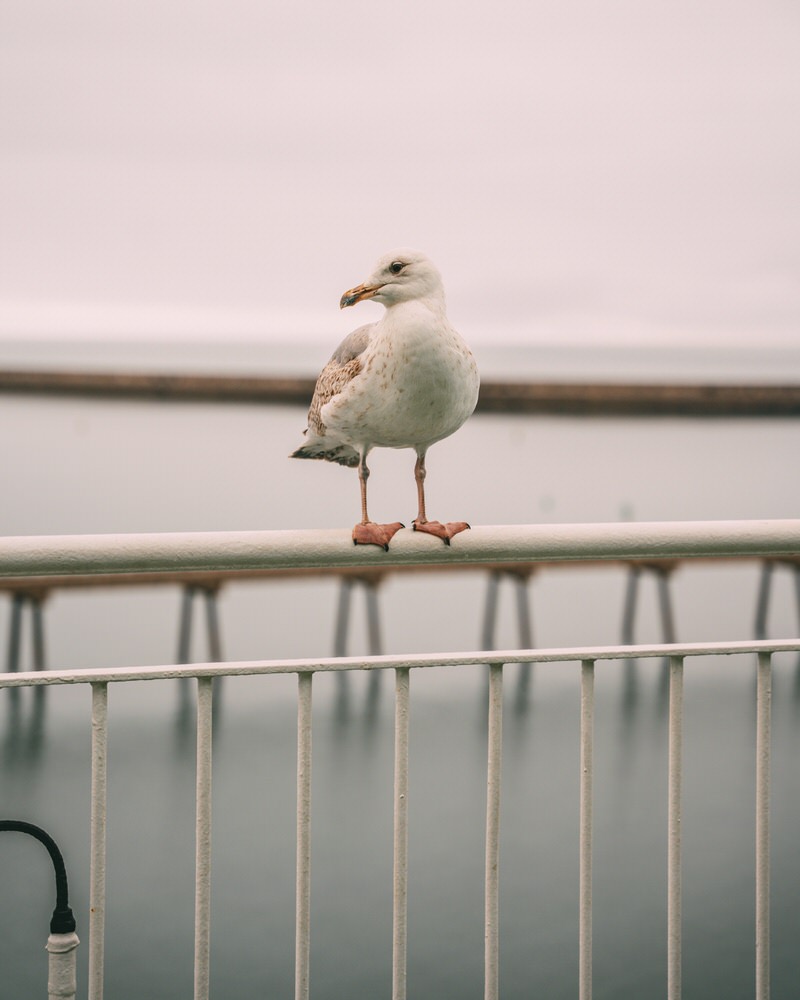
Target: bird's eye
x,y
396,266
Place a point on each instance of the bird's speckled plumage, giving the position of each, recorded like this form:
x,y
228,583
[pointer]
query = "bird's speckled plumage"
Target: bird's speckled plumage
x,y
406,381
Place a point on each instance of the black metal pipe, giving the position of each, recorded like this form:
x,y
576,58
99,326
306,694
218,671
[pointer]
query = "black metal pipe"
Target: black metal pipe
x,y
63,921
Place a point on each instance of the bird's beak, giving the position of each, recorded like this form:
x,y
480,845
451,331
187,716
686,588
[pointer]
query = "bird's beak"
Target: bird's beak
x,y
357,294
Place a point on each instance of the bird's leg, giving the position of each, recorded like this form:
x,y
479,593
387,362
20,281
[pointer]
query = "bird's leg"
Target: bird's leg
x,y
363,476
367,532
419,474
421,522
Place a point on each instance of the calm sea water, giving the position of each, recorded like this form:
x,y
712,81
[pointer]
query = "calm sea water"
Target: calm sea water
x,y
100,466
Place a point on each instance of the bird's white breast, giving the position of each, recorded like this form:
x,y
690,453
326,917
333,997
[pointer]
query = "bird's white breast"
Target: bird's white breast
x,y
418,384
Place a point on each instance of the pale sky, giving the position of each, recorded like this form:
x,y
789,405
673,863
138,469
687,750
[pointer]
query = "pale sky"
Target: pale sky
x,y
604,172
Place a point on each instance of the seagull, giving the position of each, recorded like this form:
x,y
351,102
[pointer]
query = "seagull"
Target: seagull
x,y
406,381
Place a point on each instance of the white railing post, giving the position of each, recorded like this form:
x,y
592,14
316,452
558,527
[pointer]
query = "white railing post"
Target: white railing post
x,y
675,779
492,892
400,892
202,902
585,832
97,849
763,741
303,874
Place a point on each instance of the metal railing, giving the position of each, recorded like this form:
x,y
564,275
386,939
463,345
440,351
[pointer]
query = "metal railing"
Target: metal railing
x,y
104,555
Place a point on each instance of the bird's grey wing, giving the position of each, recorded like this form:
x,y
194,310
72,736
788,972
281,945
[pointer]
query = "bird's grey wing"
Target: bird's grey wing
x,y
343,367
354,343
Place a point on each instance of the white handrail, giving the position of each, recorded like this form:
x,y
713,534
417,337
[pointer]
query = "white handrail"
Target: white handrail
x,y
68,555
402,661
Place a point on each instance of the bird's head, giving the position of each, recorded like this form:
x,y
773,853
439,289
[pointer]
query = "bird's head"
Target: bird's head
x,y
399,276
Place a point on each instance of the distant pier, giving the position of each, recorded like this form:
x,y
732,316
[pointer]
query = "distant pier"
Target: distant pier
x,y
554,398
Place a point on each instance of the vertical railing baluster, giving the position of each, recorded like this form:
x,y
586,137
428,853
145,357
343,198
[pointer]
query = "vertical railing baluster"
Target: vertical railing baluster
x,y
400,894
492,892
675,778
586,831
202,904
303,873
97,844
763,741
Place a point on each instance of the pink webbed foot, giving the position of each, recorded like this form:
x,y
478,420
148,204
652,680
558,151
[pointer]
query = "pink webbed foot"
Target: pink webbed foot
x,y
370,533
443,531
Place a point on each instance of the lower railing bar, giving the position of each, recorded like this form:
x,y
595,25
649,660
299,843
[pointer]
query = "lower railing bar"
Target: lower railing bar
x,y
763,741
97,840
675,778
400,893
413,661
303,873
492,897
585,834
202,904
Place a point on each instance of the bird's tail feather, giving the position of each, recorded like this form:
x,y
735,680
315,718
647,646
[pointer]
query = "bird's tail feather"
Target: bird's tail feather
x,y
341,453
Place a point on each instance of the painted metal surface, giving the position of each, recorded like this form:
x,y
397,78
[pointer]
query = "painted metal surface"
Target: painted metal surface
x,y
97,839
303,873
674,833
585,835
763,772
421,661
492,885
400,847
62,981
66,555
586,657
131,553
202,902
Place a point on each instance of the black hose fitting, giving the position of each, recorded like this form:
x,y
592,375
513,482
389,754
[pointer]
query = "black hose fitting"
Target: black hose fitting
x,y
63,921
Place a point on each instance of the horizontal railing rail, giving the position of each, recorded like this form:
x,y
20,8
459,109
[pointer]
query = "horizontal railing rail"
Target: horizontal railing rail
x,y
87,555
388,661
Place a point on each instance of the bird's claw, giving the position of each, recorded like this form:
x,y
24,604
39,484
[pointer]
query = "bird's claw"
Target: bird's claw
x,y
443,531
370,533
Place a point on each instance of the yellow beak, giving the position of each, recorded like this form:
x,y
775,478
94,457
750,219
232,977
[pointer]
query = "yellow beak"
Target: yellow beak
x,y
357,294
